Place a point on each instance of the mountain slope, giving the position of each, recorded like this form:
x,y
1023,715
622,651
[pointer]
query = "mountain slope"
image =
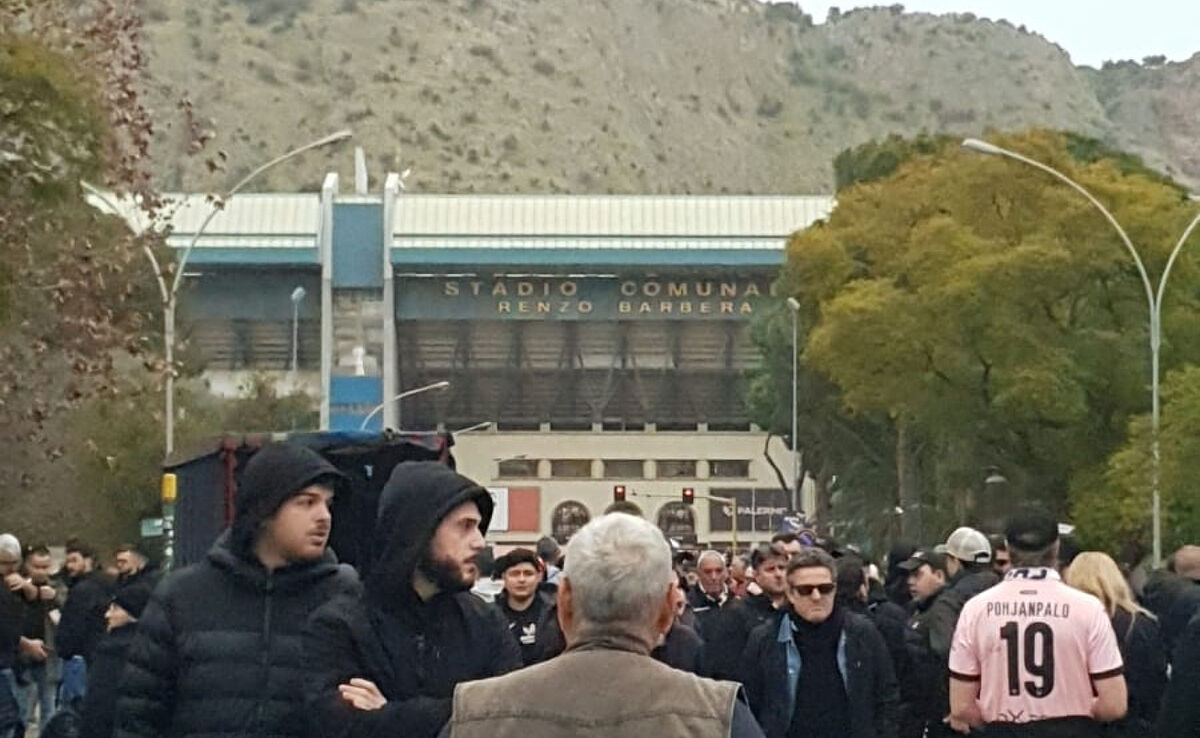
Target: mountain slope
x,y
619,95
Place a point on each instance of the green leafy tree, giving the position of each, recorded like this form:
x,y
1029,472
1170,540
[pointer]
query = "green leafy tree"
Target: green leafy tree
x,y
1112,505
990,315
116,454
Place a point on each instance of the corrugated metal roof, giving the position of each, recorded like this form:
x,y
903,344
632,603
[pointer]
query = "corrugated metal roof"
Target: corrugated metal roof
x,y
245,241
572,243
609,216
248,214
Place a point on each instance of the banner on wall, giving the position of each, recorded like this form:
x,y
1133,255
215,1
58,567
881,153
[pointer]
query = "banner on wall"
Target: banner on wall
x,y
499,522
758,510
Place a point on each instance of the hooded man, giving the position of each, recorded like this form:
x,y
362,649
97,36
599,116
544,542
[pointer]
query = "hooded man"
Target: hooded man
x,y
218,648
388,663
108,663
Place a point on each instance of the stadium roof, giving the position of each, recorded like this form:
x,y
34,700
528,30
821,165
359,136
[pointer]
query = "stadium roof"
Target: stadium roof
x,y
464,229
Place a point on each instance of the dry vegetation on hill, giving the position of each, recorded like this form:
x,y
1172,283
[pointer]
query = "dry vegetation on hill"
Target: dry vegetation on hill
x,y
626,96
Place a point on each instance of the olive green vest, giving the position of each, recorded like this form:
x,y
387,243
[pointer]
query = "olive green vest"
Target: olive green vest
x,y
594,692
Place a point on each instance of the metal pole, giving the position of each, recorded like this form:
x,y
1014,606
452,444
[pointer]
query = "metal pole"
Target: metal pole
x,y
1154,300
1156,343
295,335
795,413
169,385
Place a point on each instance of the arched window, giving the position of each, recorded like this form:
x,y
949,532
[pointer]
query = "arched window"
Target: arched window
x,y
677,520
568,517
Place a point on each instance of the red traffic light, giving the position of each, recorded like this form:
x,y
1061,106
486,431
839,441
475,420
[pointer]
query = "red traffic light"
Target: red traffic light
x,y
689,496
618,493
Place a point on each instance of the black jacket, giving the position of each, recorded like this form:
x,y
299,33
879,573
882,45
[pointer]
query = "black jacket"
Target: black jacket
x,y
925,686
1145,657
82,624
415,651
218,648
103,679
726,631
682,648
546,613
1180,713
1174,600
704,608
870,681
12,620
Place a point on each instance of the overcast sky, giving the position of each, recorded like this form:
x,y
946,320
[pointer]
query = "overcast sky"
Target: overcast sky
x,y
1092,31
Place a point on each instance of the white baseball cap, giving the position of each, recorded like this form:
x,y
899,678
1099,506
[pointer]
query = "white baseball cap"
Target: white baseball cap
x,y
969,545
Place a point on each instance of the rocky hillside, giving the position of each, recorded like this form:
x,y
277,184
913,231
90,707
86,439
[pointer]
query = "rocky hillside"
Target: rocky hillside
x,y
646,96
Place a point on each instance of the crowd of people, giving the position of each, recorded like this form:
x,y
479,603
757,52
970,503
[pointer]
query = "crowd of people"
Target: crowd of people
x,y
617,634
63,633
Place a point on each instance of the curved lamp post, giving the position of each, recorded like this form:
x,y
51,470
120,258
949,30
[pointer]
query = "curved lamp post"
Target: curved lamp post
x,y
1154,299
407,393
171,296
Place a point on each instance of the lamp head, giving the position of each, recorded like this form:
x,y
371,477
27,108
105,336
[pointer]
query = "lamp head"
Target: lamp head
x,y
982,147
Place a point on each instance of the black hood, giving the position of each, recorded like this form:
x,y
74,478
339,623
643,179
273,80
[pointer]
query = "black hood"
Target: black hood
x,y
274,474
412,504
249,572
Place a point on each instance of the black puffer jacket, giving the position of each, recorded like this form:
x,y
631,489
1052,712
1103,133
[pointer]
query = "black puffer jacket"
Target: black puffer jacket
x,y
218,649
82,625
103,679
414,650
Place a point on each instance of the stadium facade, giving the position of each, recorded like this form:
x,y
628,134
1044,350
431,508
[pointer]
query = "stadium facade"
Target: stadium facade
x,y
588,342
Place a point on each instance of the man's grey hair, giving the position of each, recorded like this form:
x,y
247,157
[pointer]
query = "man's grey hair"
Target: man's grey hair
x,y
10,546
711,553
619,570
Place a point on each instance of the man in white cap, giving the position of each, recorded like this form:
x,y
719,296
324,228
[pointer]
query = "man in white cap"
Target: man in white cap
x,y
963,563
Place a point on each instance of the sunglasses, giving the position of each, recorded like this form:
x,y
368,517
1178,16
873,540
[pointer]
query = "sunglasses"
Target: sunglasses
x,y
806,590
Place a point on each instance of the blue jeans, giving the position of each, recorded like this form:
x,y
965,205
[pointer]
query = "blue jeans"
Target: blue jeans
x,y
10,710
74,681
36,687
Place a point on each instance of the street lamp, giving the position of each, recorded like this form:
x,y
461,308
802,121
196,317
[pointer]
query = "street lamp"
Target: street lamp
x,y
170,296
407,393
1153,301
794,307
485,425
297,297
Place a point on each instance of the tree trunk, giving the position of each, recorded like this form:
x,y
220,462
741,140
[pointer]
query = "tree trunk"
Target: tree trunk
x,y
823,511
909,492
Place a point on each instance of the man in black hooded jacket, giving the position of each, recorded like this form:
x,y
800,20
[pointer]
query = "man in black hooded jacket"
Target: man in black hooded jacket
x,y
218,649
388,664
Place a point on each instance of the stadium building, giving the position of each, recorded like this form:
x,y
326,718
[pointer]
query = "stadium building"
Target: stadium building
x,y
579,345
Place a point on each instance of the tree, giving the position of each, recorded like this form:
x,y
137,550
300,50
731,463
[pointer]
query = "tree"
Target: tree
x,y
989,314
116,455
1112,505
71,300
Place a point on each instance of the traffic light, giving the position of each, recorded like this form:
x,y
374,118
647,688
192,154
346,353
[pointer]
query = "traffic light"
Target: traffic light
x,y
618,493
689,496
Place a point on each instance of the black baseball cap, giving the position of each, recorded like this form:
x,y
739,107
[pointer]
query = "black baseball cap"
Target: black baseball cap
x,y
1032,530
933,559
